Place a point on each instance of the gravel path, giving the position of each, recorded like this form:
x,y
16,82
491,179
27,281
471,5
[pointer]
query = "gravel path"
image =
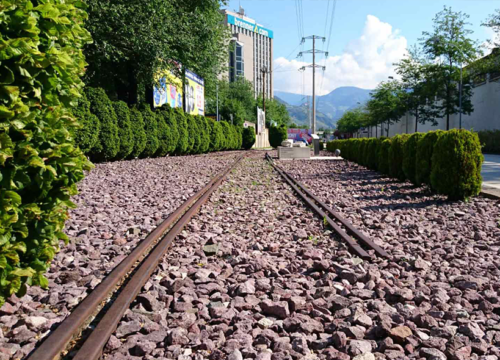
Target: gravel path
x,y
118,205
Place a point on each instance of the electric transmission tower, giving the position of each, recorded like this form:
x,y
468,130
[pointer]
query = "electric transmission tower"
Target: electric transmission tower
x,y
314,51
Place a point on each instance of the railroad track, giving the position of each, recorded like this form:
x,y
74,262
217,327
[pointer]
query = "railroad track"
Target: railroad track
x,y
118,289
329,215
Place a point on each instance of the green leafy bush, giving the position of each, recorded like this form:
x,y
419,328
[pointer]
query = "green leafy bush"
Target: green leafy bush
x,y
182,128
164,133
248,137
225,135
109,141
194,135
204,134
124,129
87,134
151,128
372,153
137,126
383,157
396,156
216,135
425,149
490,141
170,119
40,67
410,157
277,134
456,164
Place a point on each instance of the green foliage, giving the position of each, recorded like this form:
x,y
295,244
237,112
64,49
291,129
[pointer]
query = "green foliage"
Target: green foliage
x,y
109,141
490,141
164,133
396,156
456,164
351,121
40,67
151,128
182,128
248,137
277,134
204,128
425,149
276,112
216,135
372,153
226,133
383,157
410,157
171,120
87,134
194,135
137,126
124,129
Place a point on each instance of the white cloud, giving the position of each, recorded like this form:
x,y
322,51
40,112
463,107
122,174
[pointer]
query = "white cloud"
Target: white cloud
x,y
365,62
493,38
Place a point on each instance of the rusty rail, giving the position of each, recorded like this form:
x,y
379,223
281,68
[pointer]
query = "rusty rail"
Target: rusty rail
x,y
316,204
57,342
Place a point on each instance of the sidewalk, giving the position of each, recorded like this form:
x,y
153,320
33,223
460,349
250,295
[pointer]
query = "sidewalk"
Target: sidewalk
x,y
491,174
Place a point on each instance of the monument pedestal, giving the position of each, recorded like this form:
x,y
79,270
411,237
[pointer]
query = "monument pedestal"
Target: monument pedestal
x,y
294,152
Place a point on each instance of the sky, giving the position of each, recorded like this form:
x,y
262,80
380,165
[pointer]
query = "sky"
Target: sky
x,y
367,36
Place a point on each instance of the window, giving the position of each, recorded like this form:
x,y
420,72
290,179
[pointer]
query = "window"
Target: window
x,y
236,62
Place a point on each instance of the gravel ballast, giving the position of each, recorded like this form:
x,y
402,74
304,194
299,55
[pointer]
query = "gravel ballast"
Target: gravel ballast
x,y
118,205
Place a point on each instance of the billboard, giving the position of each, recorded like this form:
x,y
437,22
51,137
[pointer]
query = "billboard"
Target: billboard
x,y
169,91
297,134
233,20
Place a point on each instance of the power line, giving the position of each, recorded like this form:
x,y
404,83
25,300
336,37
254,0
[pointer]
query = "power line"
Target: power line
x,y
288,57
329,38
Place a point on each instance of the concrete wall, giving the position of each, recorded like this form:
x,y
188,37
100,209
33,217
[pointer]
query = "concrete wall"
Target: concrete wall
x,y
486,114
262,140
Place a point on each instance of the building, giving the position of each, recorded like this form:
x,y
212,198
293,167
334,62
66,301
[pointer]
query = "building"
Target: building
x,y
251,53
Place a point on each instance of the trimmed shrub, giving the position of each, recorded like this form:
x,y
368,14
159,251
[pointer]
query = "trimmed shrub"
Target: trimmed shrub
x,y
182,128
490,141
372,153
425,149
124,129
204,134
248,137
194,135
151,128
396,156
41,65
108,145
410,157
277,134
164,135
456,164
137,126
383,156
216,141
171,121
226,133
87,134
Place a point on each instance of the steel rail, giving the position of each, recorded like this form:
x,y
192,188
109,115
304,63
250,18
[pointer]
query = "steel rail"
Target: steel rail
x,y
353,245
94,344
57,342
350,227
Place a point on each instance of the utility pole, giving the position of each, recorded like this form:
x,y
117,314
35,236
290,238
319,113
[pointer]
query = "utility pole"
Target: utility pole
x,y
217,92
264,72
314,66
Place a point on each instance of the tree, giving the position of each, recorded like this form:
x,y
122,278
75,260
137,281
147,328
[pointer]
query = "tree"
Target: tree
x,y
133,40
448,46
493,22
387,103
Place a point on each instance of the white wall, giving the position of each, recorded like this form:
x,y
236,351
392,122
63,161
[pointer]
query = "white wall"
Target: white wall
x,y
486,114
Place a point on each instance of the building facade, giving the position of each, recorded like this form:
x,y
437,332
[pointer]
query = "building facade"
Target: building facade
x,y
251,54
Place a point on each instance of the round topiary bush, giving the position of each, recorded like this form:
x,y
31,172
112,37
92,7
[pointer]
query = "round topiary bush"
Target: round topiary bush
x,y
108,145
164,134
425,149
170,119
410,157
277,134
137,126
383,157
456,164
396,153
40,166
124,129
87,134
216,135
226,133
194,135
204,134
248,137
151,128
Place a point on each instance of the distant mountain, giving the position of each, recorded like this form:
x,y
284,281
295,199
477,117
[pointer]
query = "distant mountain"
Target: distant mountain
x,y
329,108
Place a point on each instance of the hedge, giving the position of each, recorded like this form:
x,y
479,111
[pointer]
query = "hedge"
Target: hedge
x,y
108,144
164,134
137,125
490,141
248,137
277,134
151,128
182,128
449,162
124,129
87,134
41,65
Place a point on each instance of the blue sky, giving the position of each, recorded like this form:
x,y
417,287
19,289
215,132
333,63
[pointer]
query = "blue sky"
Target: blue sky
x,y
362,30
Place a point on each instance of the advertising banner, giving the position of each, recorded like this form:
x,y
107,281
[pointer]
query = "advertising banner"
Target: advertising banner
x,y
169,91
233,20
298,134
